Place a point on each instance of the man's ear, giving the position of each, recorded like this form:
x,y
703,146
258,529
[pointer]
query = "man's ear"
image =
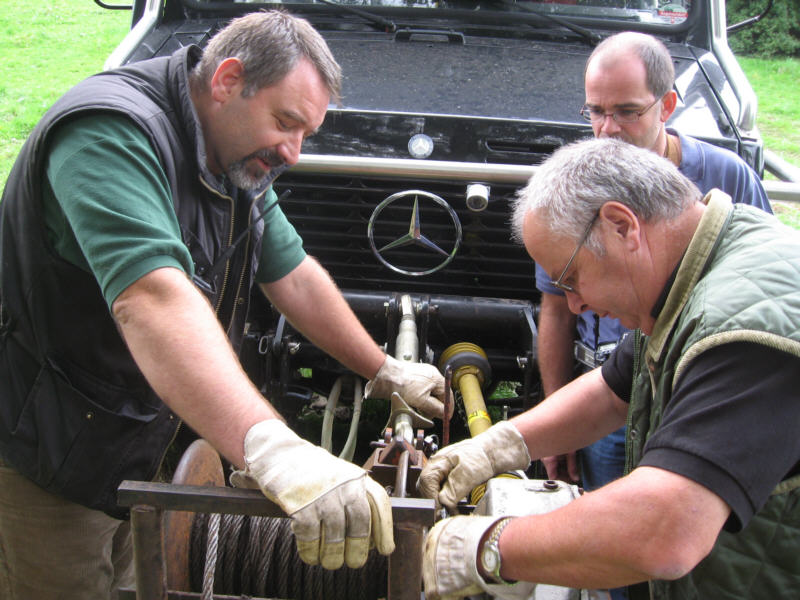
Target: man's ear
x,y
228,80
621,225
668,103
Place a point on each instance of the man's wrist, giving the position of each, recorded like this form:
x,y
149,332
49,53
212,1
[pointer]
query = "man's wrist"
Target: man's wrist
x,y
488,559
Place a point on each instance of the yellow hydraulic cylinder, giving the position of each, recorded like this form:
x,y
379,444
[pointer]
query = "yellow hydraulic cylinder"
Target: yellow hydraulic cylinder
x,y
470,372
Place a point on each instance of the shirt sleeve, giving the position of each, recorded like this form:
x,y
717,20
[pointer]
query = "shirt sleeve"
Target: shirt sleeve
x,y
747,188
710,167
109,208
543,282
282,247
731,425
617,371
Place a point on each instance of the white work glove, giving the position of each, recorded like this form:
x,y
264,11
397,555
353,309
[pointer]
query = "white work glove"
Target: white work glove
x,y
449,566
454,470
336,509
419,384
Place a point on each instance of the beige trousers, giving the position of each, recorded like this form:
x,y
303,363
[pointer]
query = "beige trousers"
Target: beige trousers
x,y
51,548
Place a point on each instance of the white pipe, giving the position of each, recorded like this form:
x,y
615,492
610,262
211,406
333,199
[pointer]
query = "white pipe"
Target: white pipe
x,y
358,397
327,420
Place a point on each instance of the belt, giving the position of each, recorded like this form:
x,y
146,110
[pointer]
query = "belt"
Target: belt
x,y
593,358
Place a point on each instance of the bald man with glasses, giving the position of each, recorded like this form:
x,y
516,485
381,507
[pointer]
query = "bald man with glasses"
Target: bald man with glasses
x,y
629,96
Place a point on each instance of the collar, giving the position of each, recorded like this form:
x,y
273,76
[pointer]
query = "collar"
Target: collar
x,y
662,298
691,159
690,268
183,61
672,152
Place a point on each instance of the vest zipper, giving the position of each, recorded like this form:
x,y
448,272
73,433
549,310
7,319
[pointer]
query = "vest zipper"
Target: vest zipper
x,y
243,272
629,416
227,262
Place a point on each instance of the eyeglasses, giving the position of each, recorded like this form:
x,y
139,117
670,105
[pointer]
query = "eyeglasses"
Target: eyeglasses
x,y
558,283
623,115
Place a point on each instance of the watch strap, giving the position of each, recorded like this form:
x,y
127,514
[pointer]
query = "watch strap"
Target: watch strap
x,y
493,539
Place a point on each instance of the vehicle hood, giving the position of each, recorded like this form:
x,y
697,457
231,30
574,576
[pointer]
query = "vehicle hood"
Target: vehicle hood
x,y
483,93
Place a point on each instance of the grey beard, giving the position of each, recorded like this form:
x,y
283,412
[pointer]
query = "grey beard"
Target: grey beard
x,y
238,173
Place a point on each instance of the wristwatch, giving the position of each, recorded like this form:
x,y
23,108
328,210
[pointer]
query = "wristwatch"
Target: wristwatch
x,y
490,553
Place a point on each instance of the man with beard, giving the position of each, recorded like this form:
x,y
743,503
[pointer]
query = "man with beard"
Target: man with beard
x,y
628,82
134,223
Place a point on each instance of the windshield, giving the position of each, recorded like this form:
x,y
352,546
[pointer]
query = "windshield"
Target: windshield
x,y
642,11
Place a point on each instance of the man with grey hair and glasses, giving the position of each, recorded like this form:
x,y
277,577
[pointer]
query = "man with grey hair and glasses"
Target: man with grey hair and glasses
x,y
709,506
123,303
628,82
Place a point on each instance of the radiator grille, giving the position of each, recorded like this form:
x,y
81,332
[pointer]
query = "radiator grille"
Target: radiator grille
x,y
331,213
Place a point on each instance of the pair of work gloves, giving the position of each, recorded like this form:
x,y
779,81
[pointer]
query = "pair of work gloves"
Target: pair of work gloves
x,y
337,511
449,567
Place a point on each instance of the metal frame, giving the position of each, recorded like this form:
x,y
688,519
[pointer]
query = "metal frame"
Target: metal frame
x,y
461,171
148,501
147,22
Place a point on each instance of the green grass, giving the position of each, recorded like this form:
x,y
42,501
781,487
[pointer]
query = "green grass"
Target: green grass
x,y
775,82
48,46
778,117
788,213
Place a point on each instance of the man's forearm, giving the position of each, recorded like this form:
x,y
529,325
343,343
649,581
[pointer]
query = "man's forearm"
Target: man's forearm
x,y
313,304
179,346
650,524
573,417
556,335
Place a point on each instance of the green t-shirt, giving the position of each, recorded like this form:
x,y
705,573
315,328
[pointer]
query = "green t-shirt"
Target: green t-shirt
x,y
108,208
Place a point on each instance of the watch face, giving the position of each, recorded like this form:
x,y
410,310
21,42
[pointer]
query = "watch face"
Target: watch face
x,y
489,558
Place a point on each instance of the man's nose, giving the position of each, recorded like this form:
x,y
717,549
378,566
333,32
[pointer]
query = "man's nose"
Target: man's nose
x,y
575,303
609,125
289,148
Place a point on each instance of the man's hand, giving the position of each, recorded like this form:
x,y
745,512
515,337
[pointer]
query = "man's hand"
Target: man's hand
x,y
563,467
336,509
449,566
419,384
454,470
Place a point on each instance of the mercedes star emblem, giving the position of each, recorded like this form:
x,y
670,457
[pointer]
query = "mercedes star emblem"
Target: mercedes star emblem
x,y
414,237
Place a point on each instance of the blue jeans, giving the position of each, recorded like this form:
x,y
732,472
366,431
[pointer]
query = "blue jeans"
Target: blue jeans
x,y
602,463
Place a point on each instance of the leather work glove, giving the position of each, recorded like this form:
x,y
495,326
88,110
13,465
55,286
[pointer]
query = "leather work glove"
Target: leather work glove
x,y
449,566
337,511
419,384
454,470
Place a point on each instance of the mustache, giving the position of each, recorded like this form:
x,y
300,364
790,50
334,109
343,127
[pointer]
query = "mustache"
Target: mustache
x,y
268,156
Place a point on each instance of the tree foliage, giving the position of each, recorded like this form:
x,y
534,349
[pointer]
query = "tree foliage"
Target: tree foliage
x,y
777,34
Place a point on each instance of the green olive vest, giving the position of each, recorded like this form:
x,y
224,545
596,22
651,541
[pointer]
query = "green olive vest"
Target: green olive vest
x,y
720,295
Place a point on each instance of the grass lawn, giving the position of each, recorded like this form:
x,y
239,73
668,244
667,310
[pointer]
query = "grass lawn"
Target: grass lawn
x,y
778,117
774,82
48,46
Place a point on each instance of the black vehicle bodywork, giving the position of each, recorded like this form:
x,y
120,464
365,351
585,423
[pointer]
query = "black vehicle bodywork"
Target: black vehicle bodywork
x,y
492,89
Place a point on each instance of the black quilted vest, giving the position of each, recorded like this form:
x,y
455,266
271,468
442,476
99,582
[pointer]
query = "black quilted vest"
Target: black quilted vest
x,y
76,415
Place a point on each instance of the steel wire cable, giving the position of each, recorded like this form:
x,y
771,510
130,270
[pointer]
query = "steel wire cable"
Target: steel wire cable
x,y
283,558
211,557
257,557
250,569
